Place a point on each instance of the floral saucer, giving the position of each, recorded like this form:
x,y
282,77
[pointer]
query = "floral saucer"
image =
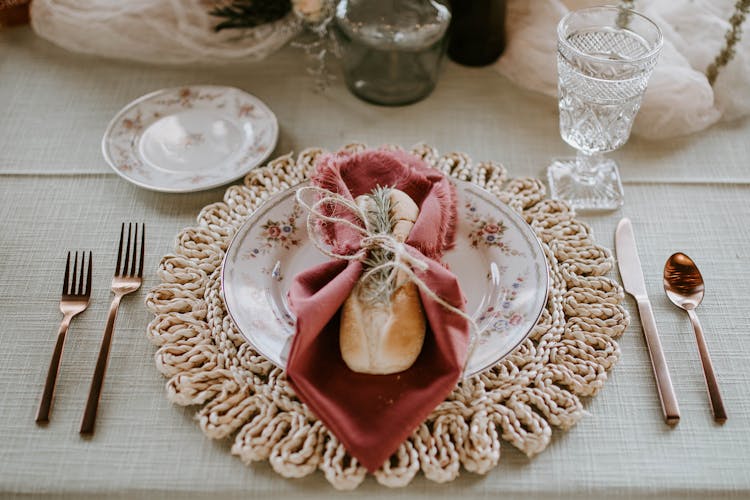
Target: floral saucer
x,y
497,258
187,139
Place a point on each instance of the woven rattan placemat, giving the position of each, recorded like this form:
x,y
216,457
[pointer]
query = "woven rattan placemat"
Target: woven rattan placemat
x,y
241,394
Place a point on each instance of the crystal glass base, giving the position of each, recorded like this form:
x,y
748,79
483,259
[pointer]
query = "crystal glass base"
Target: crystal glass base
x,y
597,190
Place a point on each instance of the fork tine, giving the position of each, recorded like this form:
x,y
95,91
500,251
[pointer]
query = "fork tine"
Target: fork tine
x,y
75,273
143,246
77,289
67,276
135,245
124,270
83,269
119,251
88,277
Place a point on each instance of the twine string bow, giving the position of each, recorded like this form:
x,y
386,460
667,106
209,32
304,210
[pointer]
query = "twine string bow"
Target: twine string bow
x,y
405,259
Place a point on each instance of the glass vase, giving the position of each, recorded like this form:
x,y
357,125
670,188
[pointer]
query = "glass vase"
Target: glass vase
x,y
391,50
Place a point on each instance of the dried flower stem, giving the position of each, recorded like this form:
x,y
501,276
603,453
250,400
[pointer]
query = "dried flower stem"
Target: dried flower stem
x,y
623,17
318,46
732,38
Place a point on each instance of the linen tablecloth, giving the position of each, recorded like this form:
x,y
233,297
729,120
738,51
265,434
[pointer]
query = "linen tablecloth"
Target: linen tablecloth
x,y
690,194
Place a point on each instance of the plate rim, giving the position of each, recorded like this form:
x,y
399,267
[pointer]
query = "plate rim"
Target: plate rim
x,y
545,275
132,104
464,373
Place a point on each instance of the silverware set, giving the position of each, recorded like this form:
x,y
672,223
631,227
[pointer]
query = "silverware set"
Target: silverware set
x,y
682,280
684,286
76,296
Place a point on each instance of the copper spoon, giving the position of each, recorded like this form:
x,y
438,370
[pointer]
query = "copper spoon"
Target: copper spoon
x,y
684,286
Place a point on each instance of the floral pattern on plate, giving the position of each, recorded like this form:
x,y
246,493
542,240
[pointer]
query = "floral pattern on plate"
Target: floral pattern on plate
x,y
190,138
505,314
280,233
506,301
487,230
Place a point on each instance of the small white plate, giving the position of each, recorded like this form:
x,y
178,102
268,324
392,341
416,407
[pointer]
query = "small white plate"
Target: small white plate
x,y
187,139
498,260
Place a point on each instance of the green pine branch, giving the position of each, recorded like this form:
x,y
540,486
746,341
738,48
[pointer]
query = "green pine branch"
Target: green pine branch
x,y
250,13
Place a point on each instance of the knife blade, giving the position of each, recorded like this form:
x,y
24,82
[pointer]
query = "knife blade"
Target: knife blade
x,y
631,273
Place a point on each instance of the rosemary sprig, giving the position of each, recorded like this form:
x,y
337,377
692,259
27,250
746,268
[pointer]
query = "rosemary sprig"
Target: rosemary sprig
x,y
250,13
380,285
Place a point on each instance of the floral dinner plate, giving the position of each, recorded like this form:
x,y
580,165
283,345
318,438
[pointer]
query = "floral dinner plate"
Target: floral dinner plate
x,y
498,260
190,138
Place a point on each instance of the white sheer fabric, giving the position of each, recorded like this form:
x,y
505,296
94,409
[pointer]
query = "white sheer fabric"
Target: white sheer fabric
x,y
155,31
679,99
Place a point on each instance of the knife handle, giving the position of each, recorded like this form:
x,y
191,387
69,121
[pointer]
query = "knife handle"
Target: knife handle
x,y
661,372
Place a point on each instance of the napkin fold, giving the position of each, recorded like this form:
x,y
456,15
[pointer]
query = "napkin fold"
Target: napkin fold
x,y
373,414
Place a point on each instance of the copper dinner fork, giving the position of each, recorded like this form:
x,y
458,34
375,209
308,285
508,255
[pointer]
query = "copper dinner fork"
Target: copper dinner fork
x,y
127,279
74,300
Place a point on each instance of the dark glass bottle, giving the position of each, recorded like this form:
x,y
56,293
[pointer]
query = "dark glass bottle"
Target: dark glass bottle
x,y
477,31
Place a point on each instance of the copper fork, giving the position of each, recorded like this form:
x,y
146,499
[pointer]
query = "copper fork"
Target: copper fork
x,y
127,279
74,300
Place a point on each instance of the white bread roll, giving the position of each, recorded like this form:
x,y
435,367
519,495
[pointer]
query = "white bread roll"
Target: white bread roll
x,y
385,337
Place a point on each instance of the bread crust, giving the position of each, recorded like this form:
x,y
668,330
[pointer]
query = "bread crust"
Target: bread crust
x,y
382,338
385,337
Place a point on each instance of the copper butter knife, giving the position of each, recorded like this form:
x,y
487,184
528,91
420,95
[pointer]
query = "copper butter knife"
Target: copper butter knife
x,y
632,279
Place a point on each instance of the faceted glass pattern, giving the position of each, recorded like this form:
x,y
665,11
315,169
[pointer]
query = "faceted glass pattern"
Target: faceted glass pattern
x,y
605,58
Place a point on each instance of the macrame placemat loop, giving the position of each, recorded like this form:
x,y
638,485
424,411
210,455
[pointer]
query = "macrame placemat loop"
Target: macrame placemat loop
x,y
241,394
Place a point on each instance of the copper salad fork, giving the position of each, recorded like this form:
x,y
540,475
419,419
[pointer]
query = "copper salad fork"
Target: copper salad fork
x,y
75,298
127,279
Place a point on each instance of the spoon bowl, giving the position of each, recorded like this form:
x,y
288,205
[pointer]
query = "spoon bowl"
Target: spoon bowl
x,y
684,286
683,282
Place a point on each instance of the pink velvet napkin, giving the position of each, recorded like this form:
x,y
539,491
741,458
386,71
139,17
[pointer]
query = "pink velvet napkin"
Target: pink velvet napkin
x,y
373,414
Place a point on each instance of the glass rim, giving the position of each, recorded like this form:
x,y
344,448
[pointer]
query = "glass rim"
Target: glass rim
x,y
561,39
